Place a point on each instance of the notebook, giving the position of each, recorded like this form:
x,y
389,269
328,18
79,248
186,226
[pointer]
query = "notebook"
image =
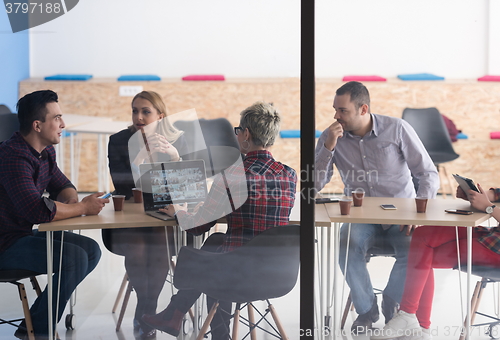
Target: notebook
x,y
172,183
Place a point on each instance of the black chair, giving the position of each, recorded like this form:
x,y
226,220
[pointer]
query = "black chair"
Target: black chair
x,y
264,268
431,129
216,143
488,275
14,277
4,109
8,125
381,248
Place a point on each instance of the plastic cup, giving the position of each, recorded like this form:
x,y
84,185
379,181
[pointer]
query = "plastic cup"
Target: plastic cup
x,y
118,201
421,204
137,195
345,205
357,197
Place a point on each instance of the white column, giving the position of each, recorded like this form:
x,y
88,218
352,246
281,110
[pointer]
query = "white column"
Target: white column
x,y
494,38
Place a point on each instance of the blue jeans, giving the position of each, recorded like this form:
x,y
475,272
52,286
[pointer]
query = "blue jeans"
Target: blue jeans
x,y
362,238
80,256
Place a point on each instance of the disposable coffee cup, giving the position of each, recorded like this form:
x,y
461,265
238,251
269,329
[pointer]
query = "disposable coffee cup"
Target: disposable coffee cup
x,y
345,205
421,203
137,195
357,197
118,201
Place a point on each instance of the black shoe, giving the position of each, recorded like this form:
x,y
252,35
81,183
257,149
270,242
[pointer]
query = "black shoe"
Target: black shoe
x,y
21,331
389,307
364,321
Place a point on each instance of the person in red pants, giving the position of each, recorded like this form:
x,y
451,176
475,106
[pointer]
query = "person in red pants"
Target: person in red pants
x,y
436,247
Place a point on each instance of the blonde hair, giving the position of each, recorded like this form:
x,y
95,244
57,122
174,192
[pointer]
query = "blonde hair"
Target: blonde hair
x,y
263,121
170,132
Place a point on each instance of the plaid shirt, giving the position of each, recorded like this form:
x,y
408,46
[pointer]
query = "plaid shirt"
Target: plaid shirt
x,y
490,237
270,186
24,175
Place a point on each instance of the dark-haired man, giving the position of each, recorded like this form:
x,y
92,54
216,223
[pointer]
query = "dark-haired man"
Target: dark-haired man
x,y
378,154
27,169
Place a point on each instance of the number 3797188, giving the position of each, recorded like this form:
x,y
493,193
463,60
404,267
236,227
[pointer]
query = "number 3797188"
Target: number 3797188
x,y
32,7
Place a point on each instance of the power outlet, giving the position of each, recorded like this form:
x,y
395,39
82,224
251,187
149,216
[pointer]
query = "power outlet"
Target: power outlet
x,y
129,91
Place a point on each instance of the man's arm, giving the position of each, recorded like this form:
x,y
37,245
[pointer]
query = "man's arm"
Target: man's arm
x,y
419,162
90,205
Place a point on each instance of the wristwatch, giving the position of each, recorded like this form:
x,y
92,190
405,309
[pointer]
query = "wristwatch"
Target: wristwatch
x,y
489,210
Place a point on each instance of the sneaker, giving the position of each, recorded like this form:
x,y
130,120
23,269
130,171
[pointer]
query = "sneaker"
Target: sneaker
x,y
425,335
403,324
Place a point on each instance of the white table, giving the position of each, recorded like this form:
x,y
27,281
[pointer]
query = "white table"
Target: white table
x,y
406,214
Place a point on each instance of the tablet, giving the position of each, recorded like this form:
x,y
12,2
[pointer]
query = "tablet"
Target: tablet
x,y
465,183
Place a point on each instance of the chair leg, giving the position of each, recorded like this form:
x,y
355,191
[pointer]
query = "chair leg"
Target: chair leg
x,y
120,292
348,307
35,285
474,305
207,322
277,321
26,310
124,306
251,321
236,321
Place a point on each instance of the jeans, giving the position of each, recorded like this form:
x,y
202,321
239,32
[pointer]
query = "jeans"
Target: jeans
x,y
80,256
362,238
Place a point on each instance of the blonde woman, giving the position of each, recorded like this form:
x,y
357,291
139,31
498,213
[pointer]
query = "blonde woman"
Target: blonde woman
x,y
144,248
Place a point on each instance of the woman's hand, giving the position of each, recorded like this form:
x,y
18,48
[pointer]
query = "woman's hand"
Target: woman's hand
x,y
479,200
172,208
159,144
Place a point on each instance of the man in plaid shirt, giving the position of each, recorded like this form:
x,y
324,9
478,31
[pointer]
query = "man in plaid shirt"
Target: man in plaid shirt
x,y
27,169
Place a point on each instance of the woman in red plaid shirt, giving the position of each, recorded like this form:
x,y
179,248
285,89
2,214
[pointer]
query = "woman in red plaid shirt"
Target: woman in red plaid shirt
x,y
262,194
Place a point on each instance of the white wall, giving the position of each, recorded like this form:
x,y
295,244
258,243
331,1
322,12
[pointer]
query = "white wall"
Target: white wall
x,y
261,38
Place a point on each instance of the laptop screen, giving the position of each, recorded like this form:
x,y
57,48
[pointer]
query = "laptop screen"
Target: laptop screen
x,y
173,182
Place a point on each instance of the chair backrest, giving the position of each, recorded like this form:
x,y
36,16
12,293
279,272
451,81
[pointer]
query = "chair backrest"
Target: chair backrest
x,y
432,131
266,267
8,125
217,135
4,109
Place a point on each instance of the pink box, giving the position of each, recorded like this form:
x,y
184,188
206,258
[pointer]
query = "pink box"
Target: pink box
x,y
489,78
201,77
363,78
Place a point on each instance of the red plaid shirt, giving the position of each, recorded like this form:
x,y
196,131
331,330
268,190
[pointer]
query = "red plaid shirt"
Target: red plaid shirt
x,y
490,237
270,186
24,176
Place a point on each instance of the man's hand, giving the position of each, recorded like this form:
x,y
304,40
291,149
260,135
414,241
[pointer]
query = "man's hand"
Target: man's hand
x,y
461,194
334,132
93,204
479,200
409,228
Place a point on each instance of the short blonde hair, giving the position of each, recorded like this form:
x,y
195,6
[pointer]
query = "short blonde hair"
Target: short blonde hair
x,y
263,121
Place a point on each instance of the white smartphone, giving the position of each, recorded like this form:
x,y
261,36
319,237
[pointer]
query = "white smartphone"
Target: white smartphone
x,y
388,206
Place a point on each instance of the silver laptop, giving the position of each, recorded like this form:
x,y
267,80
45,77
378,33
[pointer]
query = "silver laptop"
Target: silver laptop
x,y
172,183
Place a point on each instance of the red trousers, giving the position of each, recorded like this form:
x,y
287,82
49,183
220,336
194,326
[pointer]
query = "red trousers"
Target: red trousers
x,y
436,247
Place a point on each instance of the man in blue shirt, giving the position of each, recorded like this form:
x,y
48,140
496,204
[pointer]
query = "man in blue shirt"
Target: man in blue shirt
x,y
27,169
378,154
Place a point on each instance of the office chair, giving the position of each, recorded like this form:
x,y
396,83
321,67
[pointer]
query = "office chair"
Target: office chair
x,y
216,143
488,275
431,129
381,248
264,268
8,125
14,277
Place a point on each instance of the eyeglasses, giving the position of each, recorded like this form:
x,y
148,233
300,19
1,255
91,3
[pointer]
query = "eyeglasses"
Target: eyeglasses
x,y
237,130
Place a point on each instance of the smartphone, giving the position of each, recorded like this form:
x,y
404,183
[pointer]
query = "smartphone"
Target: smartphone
x,y
326,200
108,195
388,206
458,211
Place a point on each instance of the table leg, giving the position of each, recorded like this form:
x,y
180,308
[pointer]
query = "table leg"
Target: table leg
x,y
469,273
50,253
